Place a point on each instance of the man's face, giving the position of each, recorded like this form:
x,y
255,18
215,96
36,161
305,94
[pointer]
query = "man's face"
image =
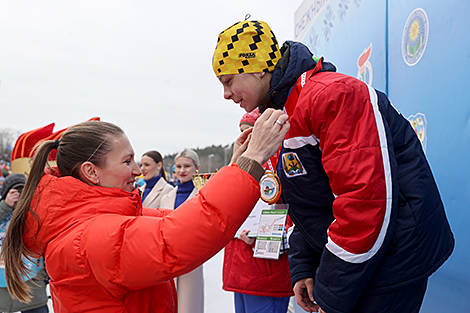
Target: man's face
x,y
246,90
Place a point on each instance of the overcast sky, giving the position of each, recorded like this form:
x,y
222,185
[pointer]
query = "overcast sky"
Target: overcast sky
x,y
144,65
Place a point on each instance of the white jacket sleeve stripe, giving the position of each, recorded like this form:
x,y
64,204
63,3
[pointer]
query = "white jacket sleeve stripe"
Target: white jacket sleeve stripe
x,y
360,258
299,142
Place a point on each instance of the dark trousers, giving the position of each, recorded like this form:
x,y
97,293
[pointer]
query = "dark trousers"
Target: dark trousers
x,y
43,309
406,300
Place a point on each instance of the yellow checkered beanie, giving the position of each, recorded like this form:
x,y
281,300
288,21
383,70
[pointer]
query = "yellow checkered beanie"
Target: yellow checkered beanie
x,y
246,47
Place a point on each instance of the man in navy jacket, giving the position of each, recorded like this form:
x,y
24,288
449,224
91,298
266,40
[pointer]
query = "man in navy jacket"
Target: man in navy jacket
x,y
370,226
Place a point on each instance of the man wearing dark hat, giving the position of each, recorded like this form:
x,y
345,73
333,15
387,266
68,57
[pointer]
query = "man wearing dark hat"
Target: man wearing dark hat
x,y
11,191
370,226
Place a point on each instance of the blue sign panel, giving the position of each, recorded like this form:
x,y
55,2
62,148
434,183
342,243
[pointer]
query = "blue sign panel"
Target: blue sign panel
x,y
429,71
418,52
348,35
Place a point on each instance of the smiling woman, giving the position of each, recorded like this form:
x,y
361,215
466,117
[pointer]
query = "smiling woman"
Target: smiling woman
x,y
155,186
119,170
190,286
87,220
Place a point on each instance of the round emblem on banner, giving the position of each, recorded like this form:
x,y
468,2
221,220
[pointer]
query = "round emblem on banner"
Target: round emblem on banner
x,y
270,187
415,36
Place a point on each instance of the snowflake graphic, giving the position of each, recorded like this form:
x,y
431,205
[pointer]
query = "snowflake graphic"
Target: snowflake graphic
x,y
328,23
313,41
357,2
343,7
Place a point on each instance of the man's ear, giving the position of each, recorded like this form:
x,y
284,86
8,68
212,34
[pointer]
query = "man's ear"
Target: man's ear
x,y
89,173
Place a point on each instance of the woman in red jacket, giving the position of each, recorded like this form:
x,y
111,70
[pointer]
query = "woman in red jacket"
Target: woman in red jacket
x,y
103,251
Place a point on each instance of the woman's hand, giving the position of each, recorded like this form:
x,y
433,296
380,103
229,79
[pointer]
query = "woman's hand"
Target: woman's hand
x,y
241,144
266,137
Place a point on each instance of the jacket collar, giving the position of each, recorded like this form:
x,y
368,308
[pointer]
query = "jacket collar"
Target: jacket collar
x,y
65,202
296,59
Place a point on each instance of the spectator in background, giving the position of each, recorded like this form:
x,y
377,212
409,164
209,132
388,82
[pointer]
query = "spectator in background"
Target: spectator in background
x,y
259,285
139,181
173,176
190,286
11,191
5,171
155,186
2,179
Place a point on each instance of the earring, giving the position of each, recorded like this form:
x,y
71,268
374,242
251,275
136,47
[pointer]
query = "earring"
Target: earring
x,y
261,74
97,182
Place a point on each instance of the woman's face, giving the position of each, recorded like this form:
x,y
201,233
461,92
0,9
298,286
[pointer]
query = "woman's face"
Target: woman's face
x,y
120,169
149,167
247,90
185,169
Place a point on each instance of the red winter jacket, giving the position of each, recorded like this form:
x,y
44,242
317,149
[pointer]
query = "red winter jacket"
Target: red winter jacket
x,y
103,256
246,274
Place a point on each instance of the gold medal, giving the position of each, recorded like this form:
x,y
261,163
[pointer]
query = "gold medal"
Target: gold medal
x,y
199,180
270,187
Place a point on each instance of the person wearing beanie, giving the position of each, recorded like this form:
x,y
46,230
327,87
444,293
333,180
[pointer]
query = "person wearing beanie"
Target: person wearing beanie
x,y
12,187
12,180
259,285
153,173
190,286
11,190
370,225
248,119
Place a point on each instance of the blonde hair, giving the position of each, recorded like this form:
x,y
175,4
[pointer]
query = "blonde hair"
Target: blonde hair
x,y
188,153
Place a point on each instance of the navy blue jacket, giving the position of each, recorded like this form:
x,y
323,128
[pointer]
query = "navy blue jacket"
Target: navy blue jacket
x,y
368,215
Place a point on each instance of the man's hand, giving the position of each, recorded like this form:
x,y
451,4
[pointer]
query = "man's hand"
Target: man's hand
x,y
303,290
12,197
244,236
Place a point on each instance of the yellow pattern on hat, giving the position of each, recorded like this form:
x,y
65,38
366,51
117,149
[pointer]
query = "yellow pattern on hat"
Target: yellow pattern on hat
x,y
246,47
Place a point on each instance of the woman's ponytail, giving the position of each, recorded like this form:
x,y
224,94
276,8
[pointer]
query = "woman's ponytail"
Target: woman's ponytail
x,y
87,141
163,173
13,247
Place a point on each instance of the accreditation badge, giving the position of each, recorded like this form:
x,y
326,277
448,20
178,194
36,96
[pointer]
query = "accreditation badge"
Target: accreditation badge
x,y
270,187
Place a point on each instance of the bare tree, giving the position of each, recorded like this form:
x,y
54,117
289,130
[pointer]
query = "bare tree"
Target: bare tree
x,y
8,137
